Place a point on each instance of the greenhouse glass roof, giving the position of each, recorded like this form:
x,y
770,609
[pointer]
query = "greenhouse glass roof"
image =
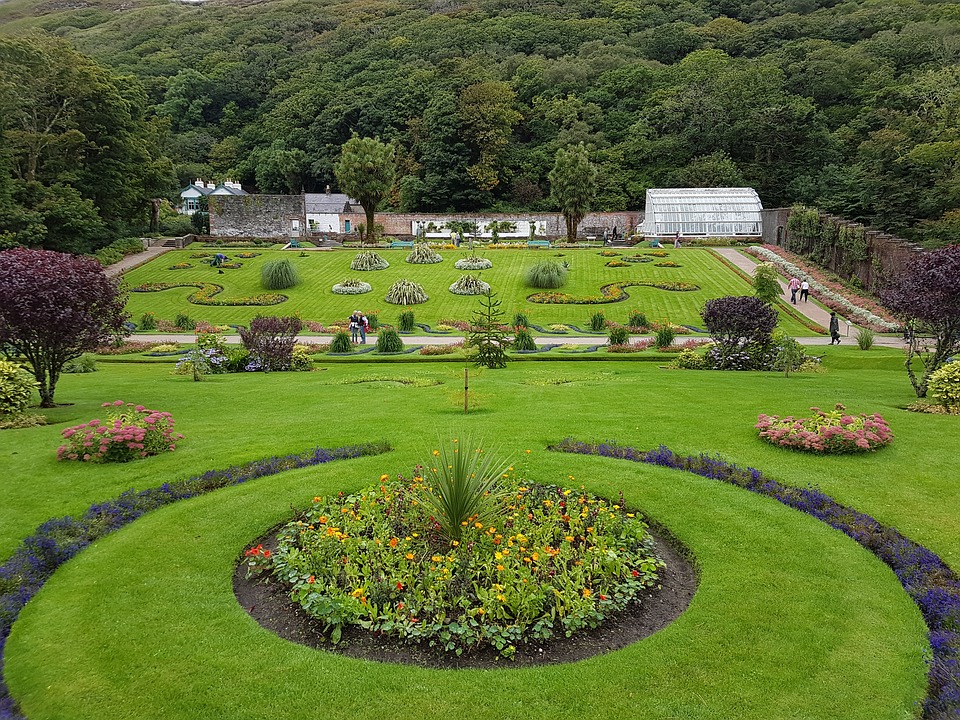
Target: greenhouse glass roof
x,y
703,212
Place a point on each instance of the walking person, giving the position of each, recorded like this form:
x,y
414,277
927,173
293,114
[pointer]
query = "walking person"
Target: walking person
x,y
794,286
676,241
355,326
804,290
834,329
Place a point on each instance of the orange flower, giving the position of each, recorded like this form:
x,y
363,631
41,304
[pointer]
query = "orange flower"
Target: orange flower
x,y
322,519
409,556
587,592
311,580
393,542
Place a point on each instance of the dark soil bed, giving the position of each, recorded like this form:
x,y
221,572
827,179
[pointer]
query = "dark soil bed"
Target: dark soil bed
x,y
268,603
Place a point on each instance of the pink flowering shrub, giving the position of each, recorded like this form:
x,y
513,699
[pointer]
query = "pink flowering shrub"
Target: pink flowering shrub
x,y
831,433
128,433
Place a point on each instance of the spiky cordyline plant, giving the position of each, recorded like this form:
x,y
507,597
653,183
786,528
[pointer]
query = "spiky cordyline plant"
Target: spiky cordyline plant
x,y
462,486
406,292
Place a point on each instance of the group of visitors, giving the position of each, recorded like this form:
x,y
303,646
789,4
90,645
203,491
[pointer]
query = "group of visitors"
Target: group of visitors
x,y
359,325
801,286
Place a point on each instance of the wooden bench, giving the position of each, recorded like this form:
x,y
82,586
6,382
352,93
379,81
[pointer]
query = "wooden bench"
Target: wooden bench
x,y
538,244
400,244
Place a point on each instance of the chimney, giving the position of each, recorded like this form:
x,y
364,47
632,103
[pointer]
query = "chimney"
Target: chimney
x,y
211,185
198,182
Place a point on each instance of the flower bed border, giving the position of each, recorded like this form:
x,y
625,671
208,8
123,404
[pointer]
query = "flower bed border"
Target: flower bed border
x,y
609,293
204,296
924,576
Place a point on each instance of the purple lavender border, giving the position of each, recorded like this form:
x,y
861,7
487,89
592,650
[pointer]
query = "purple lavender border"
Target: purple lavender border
x,y
59,539
929,581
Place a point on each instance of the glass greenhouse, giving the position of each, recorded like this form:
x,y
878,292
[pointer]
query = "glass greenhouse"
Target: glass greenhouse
x,y
702,212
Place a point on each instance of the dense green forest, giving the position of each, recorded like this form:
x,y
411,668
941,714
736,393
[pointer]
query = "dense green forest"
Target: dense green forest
x,y
850,106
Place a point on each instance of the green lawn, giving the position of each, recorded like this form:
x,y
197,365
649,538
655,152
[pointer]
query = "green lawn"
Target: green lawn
x,y
320,271
791,620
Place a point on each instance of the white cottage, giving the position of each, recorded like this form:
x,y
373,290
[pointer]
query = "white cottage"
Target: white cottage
x,y
324,210
190,195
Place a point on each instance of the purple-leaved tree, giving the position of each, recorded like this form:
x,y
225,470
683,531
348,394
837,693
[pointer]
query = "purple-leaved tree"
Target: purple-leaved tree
x,y
926,295
742,327
53,308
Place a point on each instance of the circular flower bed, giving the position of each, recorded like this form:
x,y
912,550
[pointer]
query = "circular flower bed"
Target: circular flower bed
x,y
469,285
545,563
617,263
352,287
473,263
248,255
637,259
830,433
181,266
130,432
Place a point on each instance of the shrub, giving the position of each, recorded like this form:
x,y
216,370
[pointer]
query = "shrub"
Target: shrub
x,y
619,335
351,286
148,321
766,283
200,362
84,364
597,321
664,337
865,337
473,263
129,432
789,355
300,359
405,292
690,360
185,322
406,321
521,320
547,274
828,433
16,388
389,341
637,320
742,330
279,274
470,285
441,349
423,254
523,340
341,342
368,260
945,385
270,340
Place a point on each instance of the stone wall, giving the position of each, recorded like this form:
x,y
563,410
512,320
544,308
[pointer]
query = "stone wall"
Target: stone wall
x,y
266,216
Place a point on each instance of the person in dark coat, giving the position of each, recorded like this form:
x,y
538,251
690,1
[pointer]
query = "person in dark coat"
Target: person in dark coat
x,y
834,329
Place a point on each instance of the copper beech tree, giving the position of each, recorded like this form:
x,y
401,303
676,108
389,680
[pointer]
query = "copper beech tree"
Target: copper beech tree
x,y
53,308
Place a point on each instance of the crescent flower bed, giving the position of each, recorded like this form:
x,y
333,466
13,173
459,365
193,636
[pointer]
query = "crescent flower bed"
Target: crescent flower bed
x,y
536,562
828,433
205,295
610,293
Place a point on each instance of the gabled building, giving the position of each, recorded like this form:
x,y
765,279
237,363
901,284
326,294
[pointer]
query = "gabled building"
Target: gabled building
x,y
190,195
325,211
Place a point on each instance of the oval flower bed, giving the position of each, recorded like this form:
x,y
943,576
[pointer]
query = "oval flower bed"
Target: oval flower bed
x,y
833,432
551,562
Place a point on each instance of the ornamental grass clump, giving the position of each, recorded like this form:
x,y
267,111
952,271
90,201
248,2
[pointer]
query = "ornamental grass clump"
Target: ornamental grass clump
x,y
406,292
130,432
470,285
423,254
597,321
351,286
279,275
548,274
828,433
464,557
406,321
389,341
523,340
341,342
368,260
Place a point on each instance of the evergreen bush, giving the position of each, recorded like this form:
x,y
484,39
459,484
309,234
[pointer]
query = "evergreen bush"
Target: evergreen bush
x,y
547,274
16,388
945,386
389,341
405,292
279,275
690,360
523,340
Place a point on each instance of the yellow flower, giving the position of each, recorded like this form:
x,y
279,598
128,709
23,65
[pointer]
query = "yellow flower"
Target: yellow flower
x,y
384,477
536,556
436,452
499,568
587,592
498,555
455,543
409,556
569,538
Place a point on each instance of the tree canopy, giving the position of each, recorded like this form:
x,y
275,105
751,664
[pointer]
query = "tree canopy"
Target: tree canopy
x,y
573,185
365,172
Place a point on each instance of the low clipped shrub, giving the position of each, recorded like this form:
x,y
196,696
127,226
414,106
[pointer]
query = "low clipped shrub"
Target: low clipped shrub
x,y
78,366
16,388
664,337
944,386
597,321
279,275
470,285
473,263
351,286
184,322
128,433
300,359
441,349
690,360
406,292
637,320
148,322
547,275
865,338
389,341
828,433
369,260
341,342
619,335
406,321
423,254
523,340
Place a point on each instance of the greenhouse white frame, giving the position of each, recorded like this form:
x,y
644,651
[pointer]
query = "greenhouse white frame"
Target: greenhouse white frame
x,y
702,212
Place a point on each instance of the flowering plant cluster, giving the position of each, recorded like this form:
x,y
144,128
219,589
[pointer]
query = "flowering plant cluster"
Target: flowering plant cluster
x,y
206,292
617,263
555,561
199,362
929,581
352,286
832,294
609,293
130,432
657,253
126,348
181,266
473,263
442,349
248,255
637,259
636,346
667,263
609,253
832,432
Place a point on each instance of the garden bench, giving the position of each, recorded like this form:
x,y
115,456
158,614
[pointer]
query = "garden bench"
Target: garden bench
x,y
400,244
538,244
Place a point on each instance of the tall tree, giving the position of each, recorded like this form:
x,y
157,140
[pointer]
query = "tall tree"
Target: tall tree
x,y
365,172
573,184
53,308
927,296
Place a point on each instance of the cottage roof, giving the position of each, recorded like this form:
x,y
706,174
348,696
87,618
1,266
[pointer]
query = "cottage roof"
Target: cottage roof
x,y
331,203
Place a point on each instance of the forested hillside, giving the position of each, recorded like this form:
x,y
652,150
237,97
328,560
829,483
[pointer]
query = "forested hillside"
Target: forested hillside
x,y
851,106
